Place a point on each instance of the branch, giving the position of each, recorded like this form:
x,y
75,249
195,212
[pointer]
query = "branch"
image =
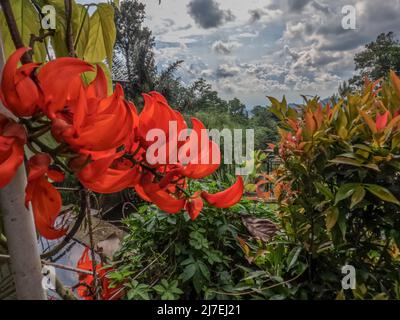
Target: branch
x,y
55,265
13,28
69,36
63,292
40,38
96,281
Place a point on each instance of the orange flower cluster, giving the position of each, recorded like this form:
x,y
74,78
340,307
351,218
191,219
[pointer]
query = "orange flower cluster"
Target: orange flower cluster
x,y
103,137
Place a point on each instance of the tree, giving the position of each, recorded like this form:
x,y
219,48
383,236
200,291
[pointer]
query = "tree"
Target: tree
x,y
170,86
264,124
238,110
134,49
377,59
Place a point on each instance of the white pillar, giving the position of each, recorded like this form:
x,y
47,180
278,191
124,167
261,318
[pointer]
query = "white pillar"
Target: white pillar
x,y
20,231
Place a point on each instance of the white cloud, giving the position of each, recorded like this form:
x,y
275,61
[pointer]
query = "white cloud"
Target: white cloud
x,y
224,48
273,47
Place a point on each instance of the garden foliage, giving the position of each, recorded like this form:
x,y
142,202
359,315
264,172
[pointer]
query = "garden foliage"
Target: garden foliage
x,y
338,188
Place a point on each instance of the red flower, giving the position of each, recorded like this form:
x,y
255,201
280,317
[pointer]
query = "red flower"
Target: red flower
x,y
12,140
157,114
226,198
109,174
86,288
208,158
19,92
161,197
91,123
60,80
45,199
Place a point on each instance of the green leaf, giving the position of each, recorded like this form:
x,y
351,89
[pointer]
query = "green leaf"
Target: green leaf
x,y
345,191
28,22
382,193
81,28
188,272
102,35
358,195
344,160
159,288
324,190
204,270
372,166
292,257
381,296
332,215
138,291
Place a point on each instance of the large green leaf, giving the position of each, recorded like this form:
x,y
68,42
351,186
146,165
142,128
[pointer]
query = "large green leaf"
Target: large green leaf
x,y
358,195
292,257
28,22
382,193
345,160
324,190
102,35
345,191
332,215
81,29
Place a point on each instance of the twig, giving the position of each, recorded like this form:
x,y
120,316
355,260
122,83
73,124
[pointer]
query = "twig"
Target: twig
x,y
13,28
68,189
91,240
70,36
39,132
40,38
152,262
55,265
64,267
258,290
147,267
63,292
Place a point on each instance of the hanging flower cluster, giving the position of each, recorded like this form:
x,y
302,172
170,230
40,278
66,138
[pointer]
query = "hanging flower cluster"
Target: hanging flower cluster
x,y
101,138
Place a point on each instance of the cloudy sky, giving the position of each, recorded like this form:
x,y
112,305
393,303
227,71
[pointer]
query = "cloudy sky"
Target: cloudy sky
x,y
254,48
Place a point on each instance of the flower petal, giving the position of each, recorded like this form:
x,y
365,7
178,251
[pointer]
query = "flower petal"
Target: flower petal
x,y
226,198
194,207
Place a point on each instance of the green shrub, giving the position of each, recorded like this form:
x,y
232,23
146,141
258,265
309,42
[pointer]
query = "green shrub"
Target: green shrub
x,y
339,189
172,257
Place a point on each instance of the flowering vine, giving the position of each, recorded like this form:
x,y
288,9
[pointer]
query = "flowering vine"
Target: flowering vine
x,y
101,139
